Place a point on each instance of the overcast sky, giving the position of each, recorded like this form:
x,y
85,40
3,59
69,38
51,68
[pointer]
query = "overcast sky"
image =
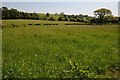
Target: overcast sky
x,y
60,0
86,8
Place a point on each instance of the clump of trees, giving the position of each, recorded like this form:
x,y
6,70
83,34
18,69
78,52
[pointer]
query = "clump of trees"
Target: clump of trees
x,y
15,14
102,16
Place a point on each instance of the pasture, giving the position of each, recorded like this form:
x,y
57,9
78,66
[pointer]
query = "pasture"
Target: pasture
x,y
59,51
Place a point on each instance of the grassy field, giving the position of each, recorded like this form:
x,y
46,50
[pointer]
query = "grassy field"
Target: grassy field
x,y
59,51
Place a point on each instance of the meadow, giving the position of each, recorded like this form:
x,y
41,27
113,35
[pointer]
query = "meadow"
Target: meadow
x,y
31,49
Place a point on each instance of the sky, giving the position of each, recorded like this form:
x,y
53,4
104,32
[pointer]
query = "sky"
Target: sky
x,y
86,8
60,0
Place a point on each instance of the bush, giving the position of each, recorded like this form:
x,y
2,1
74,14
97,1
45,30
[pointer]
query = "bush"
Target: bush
x,y
55,24
37,24
66,19
29,24
52,19
93,20
60,19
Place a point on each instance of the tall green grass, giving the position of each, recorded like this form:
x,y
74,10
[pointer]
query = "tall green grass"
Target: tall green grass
x,y
82,51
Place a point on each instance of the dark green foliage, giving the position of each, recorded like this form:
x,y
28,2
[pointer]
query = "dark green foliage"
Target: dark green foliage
x,y
66,19
47,14
21,15
101,14
45,18
52,19
75,24
15,14
106,20
119,19
5,13
37,24
72,19
93,20
33,15
61,19
29,24
55,24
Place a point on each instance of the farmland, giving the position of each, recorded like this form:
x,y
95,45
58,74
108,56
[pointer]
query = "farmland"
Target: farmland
x,y
31,49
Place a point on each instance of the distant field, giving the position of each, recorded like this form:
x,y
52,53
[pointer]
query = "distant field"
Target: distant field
x,y
59,51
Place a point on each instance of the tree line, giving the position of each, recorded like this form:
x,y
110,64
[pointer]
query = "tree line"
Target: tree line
x,y
15,14
101,16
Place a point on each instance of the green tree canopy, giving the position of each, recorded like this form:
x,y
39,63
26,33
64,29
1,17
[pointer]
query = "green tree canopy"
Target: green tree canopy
x,y
101,13
47,14
5,13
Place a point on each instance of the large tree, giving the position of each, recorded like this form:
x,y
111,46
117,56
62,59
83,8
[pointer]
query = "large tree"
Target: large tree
x,y
14,13
5,13
100,14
